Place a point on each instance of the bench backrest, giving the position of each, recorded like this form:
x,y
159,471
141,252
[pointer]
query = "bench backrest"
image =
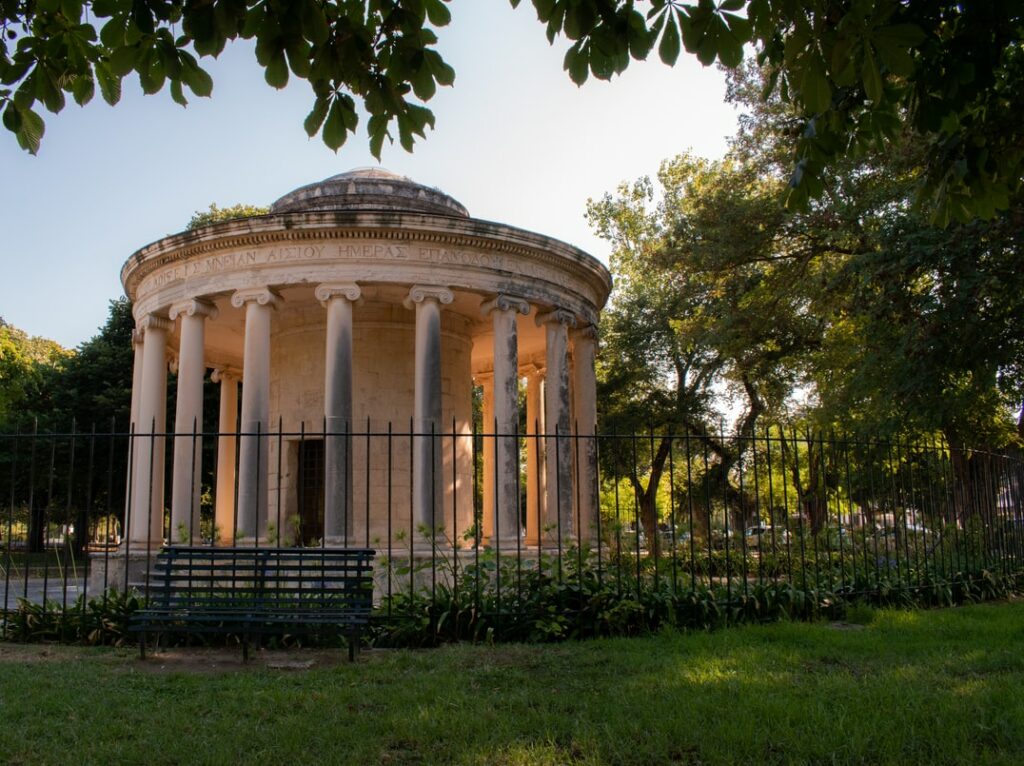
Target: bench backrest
x,y
263,579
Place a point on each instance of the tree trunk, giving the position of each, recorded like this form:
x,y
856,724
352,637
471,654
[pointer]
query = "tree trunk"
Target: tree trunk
x,y
647,497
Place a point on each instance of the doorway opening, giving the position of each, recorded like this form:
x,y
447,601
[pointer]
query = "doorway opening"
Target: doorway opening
x,y
311,491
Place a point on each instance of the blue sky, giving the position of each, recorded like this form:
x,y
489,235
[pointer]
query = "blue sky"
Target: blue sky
x,y
515,141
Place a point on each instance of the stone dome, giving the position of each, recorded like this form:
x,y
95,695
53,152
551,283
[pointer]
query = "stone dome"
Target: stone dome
x,y
369,189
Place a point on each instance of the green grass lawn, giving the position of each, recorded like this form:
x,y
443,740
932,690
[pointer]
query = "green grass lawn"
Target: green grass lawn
x,y
938,687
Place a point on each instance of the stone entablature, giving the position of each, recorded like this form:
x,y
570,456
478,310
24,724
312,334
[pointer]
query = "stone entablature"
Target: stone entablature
x,y
366,247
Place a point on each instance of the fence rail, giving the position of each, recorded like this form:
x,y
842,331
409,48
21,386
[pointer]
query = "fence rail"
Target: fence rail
x,y
675,512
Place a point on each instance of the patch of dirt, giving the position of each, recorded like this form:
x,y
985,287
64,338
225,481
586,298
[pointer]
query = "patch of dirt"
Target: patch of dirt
x,y
199,660
22,653
217,661
846,626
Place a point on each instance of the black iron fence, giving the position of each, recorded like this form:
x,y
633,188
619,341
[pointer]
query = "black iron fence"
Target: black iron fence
x,y
631,517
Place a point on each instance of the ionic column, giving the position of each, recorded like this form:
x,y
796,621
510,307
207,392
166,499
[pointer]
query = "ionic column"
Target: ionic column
x,y
584,385
338,299
136,403
147,518
253,460
427,464
487,432
188,419
503,310
556,405
536,492
227,426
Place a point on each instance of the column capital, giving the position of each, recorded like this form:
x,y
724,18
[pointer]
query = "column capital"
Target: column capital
x,y
262,296
587,332
193,307
421,293
562,316
136,337
225,374
484,377
328,290
502,302
533,370
153,321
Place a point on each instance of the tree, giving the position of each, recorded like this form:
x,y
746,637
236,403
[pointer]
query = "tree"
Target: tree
x,y
94,388
855,313
24,362
710,315
856,71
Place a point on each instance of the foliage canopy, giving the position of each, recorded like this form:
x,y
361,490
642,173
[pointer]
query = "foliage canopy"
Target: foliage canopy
x,y
855,71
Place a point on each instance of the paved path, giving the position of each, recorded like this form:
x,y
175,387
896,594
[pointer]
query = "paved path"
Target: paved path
x,y
34,591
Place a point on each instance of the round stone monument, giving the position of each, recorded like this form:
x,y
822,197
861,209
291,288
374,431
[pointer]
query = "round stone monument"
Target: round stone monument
x,y
347,329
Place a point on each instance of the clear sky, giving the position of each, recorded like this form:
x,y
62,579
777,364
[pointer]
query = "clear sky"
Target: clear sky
x,y
515,141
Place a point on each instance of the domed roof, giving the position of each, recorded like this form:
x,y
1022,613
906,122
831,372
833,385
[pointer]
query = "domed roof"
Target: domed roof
x,y
369,189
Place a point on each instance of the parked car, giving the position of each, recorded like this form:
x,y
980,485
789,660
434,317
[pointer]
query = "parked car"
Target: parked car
x,y
762,535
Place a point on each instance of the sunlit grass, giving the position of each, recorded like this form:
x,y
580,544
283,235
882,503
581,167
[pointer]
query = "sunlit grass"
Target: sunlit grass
x,y
938,687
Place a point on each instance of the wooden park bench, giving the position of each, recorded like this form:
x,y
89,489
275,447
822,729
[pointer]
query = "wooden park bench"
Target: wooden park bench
x,y
256,592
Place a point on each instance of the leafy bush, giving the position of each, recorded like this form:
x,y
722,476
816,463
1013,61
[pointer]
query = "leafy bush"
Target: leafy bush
x,y
102,621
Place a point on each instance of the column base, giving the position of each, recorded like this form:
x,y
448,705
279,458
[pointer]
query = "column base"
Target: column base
x,y
114,570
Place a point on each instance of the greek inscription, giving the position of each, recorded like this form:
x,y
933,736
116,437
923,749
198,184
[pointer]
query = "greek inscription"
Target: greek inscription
x,y
392,252
295,253
461,257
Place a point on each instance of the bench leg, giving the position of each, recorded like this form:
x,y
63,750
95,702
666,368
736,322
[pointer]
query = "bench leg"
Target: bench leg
x,y
142,645
353,642
245,648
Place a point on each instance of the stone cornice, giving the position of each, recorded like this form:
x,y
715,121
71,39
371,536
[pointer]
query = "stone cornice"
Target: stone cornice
x,y
296,227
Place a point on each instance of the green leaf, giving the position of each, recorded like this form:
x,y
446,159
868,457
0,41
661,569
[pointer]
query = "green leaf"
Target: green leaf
x,y
299,57
151,73
422,81
176,93
904,36
871,77
335,132
443,73
314,23
814,88
575,64
46,89
112,33
842,58
438,13
277,70
378,130
198,81
668,48
12,118
640,39
31,130
83,89
122,60
110,84
316,116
